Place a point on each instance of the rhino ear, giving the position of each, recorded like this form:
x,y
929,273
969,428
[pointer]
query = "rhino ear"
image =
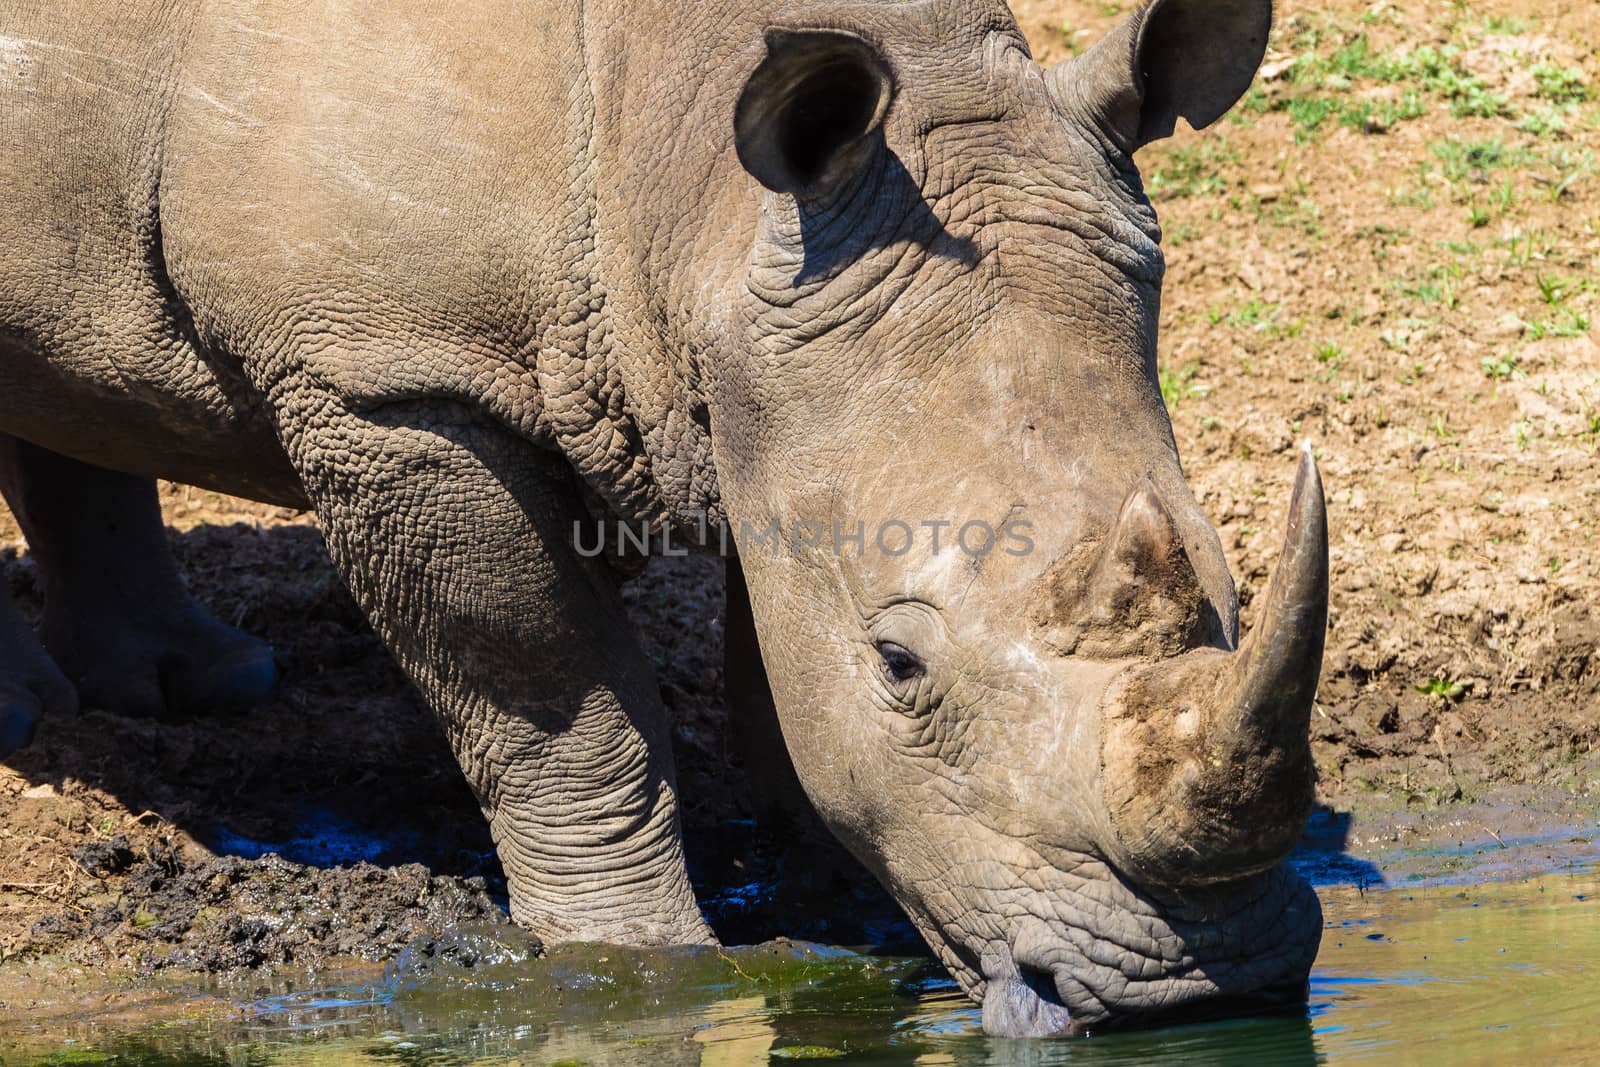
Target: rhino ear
x,y
807,115
1192,58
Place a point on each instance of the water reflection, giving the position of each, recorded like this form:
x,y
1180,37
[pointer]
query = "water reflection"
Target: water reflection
x,y
738,1034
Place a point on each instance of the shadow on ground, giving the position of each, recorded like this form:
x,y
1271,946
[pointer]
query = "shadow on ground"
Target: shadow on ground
x,y
1323,856
336,820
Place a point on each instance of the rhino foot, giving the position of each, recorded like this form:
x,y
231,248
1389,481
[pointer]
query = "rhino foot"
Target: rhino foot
x,y
31,686
177,664
118,620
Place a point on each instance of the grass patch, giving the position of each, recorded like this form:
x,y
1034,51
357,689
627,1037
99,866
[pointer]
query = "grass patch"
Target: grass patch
x,y
1310,113
1179,383
1262,316
1464,160
1561,85
1501,368
1375,116
1321,84
1071,39
1331,356
1570,322
1505,25
1439,287
1192,171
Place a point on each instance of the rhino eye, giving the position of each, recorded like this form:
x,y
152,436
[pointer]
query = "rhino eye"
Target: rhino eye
x,y
899,664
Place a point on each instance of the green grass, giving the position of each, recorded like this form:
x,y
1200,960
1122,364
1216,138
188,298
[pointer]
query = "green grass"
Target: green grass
x,y
1176,384
1179,233
1561,85
1556,291
1523,248
1505,25
1574,165
1301,213
1593,432
1545,121
1418,195
1310,113
1501,368
1262,316
1339,77
1070,40
1332,357
1321,83
1465,160
1374,116
1439,72
1406,331
1437,286
1192,171
1567,324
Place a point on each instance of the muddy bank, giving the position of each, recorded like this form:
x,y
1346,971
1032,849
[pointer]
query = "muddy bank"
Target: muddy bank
x,y
335,823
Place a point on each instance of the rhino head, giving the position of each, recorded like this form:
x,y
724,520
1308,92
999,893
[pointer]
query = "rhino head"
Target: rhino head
x,y
1054,750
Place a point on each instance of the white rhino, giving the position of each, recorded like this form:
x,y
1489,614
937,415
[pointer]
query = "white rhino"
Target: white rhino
x,y
467,277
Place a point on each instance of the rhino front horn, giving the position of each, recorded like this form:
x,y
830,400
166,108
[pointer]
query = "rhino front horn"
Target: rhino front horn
x,y
1207,756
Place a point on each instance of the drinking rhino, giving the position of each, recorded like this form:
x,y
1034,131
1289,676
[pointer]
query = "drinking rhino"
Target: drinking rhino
x,y
471,279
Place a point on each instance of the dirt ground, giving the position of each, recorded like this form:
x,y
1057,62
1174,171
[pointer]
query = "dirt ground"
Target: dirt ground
x,y
1390,248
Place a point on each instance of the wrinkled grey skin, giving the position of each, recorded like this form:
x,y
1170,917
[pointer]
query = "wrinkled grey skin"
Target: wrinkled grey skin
x,y
461,276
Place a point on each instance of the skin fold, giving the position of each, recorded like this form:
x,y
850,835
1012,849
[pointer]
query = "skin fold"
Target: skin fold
x,y
469,279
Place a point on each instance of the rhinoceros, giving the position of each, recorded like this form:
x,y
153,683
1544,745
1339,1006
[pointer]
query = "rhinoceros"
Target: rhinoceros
x,y
472,279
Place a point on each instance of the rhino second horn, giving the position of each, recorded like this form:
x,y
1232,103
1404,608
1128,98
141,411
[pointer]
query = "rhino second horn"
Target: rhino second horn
x,y
1146,540
1138,595
1206,757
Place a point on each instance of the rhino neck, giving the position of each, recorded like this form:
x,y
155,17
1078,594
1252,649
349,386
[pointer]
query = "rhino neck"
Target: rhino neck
x,y
622,374
626,395
627,392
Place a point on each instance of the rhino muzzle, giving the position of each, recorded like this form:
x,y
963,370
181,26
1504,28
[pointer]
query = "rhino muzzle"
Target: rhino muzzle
x,y
1206,756
1245,948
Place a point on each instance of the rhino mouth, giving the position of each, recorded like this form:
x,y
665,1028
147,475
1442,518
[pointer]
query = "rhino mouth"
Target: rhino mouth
x,y
1030,1002
1111,962
1285,998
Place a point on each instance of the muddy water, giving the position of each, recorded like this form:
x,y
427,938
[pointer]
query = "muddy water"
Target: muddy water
x,y
1496,973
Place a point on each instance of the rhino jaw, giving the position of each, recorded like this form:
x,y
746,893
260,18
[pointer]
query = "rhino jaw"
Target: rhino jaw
x,y
1206,757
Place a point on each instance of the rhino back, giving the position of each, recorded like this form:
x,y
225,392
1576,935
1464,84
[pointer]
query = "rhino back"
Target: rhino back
x,y
530,207
391,197
509,204
96,359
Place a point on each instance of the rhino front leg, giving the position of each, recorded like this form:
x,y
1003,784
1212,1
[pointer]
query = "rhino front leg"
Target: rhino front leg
x,y
456,539
118,620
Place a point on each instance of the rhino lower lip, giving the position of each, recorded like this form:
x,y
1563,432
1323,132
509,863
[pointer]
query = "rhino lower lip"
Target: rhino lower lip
x,y
1031,977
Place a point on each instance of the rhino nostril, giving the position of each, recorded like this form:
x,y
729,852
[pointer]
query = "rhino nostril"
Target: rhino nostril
x,y
1024,1002
1042,982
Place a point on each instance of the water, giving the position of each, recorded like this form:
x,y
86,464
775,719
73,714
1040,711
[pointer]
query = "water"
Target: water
x,y
1444,974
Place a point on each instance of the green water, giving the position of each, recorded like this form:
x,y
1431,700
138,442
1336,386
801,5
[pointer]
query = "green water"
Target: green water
x,y
1498,973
